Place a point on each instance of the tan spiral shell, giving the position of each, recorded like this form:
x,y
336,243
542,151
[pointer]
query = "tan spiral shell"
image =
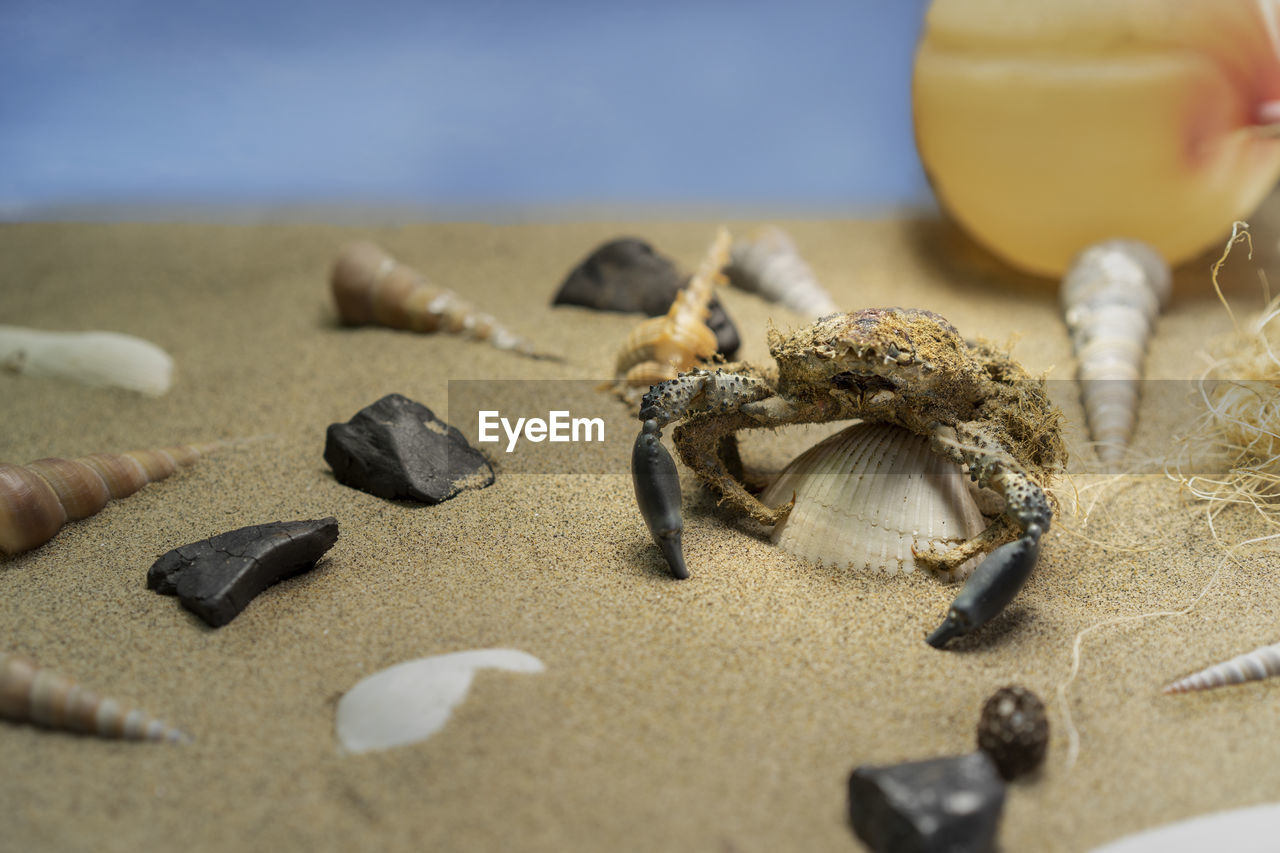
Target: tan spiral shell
x,y
38,498
29,693
872,496
660,348
1111,298
769,264
371,288
1256,665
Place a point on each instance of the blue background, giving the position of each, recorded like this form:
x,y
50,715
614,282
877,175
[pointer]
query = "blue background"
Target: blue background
x,y
449,107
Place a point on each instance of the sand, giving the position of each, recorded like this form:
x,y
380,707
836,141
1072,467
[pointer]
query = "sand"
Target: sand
x,y
723,712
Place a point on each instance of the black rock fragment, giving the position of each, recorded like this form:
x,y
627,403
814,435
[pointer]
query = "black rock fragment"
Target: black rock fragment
x,y
396,448
629,276
1014,731
216,578
943,805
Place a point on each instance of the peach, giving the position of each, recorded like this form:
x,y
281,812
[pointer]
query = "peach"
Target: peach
x,y
1048,126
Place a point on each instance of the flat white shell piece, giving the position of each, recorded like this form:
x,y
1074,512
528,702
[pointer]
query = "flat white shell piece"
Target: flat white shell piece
x,y
411,701
1249,830
869,494
92,358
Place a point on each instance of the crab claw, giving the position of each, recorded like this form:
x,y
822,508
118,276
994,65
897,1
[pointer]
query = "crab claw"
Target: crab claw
x,y
657,485
992,586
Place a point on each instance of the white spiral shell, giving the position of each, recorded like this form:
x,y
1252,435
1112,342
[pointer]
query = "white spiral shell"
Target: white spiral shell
x,y
870,497
768,264
1256,665
29,693
1111,298
91,358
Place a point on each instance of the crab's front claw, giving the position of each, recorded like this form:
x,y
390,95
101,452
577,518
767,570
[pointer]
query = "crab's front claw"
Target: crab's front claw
x,y
991,587
657,485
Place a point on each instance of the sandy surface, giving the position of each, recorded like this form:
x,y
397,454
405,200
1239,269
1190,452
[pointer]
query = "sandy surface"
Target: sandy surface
x,y
720,713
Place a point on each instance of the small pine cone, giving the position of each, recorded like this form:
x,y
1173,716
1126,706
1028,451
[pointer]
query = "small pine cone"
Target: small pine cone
x,y
1014,731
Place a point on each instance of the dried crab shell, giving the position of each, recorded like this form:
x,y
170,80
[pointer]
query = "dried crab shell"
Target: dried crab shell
x,y
38,498
29,693
1256,665
372,288
873,496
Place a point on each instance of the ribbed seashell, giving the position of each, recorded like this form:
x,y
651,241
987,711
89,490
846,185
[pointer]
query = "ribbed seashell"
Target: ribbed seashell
x,y
660,348
91,358
1256,665
38,498
870,495
29,693
1111,298
372,288
768,264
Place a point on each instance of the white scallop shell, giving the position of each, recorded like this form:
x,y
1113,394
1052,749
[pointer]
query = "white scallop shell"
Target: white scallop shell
x,y
1256,665
868,495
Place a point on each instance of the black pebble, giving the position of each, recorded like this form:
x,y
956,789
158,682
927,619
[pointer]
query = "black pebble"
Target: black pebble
x,y
943,805
1014,730
216,578
629,276
396,448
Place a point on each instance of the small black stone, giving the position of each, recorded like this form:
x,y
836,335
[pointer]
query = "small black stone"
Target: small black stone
x,y
943,805
216,578
396,448
628,275
1014,730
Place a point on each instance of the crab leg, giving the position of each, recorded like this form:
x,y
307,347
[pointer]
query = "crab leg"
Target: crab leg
x,y
653,471
1001,575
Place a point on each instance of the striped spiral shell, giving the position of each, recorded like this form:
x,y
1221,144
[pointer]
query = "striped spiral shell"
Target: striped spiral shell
x,y
1256,665
661,348
1111,298
371,288
29,693
768,264
874,496
38,498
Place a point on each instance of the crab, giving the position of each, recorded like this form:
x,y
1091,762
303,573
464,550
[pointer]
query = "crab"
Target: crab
x,y
910,367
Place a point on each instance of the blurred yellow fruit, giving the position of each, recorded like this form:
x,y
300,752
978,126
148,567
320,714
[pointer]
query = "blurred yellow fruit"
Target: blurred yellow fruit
x,y
1048,125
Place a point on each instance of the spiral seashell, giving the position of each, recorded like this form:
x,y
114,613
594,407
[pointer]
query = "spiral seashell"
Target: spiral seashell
x,y
371,288
91,358
660,348
29,693
37,499
768,264
1111,298
872,496
1256,665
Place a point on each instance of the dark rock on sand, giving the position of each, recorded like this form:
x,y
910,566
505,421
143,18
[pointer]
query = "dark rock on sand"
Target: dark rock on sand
x,y
396,448
943,805
216,578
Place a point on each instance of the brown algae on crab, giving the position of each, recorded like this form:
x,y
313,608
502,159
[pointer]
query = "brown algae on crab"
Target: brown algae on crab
x,y
975,405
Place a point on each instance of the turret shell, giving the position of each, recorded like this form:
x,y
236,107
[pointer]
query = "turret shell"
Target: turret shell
x,y
769,264
1256,665
30,693
870,495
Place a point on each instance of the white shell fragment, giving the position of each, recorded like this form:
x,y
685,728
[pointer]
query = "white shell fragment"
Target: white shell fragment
x,y
866,496
768,264
411,701
1256,665
92,358
1111,298
1248,830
